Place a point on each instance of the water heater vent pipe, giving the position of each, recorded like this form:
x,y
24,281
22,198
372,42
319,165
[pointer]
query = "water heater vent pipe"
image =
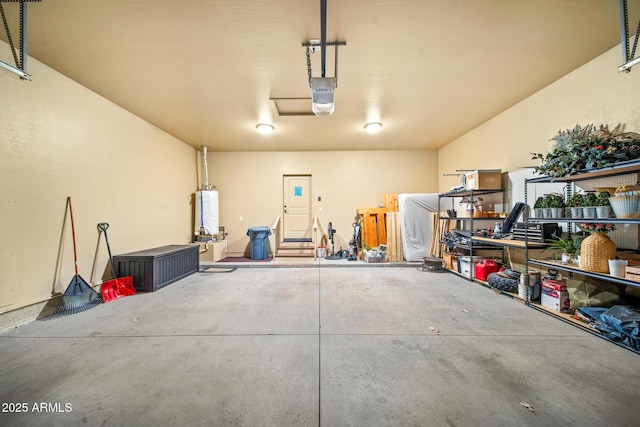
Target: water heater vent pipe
x,y
205,168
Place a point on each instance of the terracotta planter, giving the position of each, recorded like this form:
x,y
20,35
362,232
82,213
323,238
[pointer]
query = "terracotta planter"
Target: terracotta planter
x,y
595,251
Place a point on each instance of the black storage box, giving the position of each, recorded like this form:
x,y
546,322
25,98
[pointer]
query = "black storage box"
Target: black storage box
x,y
155,268
535,231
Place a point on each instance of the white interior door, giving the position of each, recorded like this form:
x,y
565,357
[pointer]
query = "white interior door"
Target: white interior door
x,y
296,208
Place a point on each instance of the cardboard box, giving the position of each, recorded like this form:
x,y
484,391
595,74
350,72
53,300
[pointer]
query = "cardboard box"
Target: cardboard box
x,y
632,272
516,256
490,179
448,259
554,295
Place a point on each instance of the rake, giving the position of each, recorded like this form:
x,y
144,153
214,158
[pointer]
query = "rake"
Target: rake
x,y
79,295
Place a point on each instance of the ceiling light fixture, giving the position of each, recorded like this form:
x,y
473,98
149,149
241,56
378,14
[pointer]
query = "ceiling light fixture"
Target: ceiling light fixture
x,y
373,127
265,128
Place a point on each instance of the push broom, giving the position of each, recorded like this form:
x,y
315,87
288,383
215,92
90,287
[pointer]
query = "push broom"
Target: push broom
x,y
79,296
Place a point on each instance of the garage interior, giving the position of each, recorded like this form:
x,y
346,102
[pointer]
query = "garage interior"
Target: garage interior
x,y
119,101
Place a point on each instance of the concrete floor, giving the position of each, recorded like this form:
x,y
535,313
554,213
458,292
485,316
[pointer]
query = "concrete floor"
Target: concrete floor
x,y
315,345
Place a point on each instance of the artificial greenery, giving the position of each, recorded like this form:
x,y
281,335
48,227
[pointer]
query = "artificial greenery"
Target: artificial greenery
x,y
593,227
577,242
575,201
563,244
554,200
602,199
589,147
589,199
541,202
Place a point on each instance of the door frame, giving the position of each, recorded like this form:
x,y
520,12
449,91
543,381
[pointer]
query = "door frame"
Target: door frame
x,y
281,237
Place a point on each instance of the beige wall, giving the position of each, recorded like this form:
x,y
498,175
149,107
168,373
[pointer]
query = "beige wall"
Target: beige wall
x,y
59,139
595,93
250,185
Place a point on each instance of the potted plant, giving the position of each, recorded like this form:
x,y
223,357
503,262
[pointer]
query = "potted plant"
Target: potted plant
x,y
597,249
589,201
555,203
539,206
603,207
565,247
574,203
589,147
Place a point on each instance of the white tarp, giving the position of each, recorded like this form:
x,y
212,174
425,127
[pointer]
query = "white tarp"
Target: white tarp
x,y
206,212
416,224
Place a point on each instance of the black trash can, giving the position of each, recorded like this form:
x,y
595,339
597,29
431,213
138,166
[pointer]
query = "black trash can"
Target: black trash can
x,y
259,244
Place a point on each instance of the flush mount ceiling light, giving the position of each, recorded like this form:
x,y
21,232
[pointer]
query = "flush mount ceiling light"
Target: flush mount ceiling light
x,y
265,128
373,127
322,88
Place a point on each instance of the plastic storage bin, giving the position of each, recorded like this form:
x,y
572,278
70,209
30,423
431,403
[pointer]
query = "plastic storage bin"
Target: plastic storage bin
x,y
258,240
156,268
467,264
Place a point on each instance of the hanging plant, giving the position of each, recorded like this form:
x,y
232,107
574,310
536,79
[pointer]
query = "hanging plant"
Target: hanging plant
x,y
581,148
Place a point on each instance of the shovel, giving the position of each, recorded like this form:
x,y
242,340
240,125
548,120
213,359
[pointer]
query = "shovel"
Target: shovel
x,y
119,286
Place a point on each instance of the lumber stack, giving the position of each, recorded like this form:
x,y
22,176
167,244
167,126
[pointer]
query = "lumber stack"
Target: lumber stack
x,y
394,239
373,226
391,202
437,248
381,226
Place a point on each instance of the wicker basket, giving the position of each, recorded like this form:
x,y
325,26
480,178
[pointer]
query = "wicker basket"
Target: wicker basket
x,y
596,251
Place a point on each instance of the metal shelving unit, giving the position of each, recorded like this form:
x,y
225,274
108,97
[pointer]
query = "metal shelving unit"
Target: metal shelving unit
x,y
622,168
615,170
465,222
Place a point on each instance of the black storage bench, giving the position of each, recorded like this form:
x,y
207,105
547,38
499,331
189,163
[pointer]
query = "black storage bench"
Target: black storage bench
x,y
155,268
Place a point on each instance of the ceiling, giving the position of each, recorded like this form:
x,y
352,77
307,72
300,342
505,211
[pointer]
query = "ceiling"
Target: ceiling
x,y
429,70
